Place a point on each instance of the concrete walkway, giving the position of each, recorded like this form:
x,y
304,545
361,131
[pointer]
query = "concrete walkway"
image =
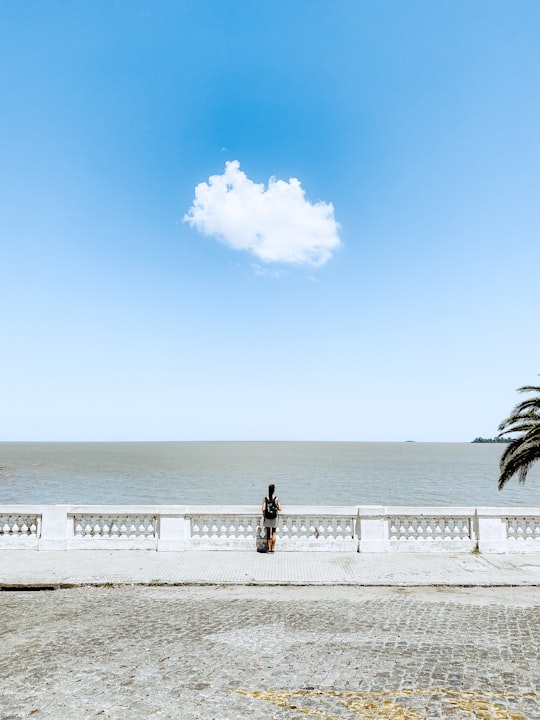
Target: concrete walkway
x,y
31,568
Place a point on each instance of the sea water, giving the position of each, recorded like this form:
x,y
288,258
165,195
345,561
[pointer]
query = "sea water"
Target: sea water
x,y
231,473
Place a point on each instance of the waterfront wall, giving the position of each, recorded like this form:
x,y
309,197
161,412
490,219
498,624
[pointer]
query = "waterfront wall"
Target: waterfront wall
x,y
369,529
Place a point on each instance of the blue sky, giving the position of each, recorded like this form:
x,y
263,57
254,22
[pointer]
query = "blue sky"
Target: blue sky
x,y
410,131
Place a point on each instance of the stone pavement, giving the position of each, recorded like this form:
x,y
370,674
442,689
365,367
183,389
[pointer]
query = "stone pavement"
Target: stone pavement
x,y
282,653
32,568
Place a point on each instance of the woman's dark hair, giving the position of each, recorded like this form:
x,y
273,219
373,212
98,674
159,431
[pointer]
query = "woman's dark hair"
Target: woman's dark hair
x,y
271,490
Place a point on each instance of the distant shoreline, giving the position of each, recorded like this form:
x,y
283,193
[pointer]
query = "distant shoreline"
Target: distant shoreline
x,y
492,440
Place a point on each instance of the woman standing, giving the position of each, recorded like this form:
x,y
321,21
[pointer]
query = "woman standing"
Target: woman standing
x,y
270,508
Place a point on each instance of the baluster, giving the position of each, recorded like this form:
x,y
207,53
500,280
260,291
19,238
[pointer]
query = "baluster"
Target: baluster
x,y
510,529
447,528
401,529
409,534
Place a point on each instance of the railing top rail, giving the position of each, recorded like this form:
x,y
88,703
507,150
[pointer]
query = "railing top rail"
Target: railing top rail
x,y
508,511
375,511
21,509
125,509
422,511
349,510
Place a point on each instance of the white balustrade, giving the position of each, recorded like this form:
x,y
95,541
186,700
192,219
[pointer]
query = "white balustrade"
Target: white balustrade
x,y
19,530
302,528
414,529
126,528
430,529
18,525
411,532
114,527
368,529
212,532
523,530
319,529
508,530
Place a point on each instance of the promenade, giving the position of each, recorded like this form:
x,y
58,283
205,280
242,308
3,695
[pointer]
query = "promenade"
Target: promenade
x,y
31,568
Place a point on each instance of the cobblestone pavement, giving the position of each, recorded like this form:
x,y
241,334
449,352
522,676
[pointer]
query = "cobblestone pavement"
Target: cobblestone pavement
x,y
254,652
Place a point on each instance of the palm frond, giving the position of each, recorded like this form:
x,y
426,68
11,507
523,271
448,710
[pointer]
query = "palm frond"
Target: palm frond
x,y
521,452
517,459
529,388
519,426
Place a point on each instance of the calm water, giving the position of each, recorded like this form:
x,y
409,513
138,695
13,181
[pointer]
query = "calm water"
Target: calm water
x,y
229,473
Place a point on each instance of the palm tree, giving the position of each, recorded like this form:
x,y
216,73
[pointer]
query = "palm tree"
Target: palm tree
x,y
524,450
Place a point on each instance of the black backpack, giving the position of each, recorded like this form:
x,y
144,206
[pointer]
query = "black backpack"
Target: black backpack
x,y
271,509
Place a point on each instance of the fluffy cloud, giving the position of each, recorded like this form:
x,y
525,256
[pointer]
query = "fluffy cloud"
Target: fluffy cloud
x,y
276,224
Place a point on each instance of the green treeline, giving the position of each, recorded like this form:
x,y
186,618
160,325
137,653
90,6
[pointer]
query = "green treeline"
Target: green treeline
x,y
492,440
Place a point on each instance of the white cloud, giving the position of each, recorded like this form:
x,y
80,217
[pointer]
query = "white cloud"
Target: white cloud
x,y
276,224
